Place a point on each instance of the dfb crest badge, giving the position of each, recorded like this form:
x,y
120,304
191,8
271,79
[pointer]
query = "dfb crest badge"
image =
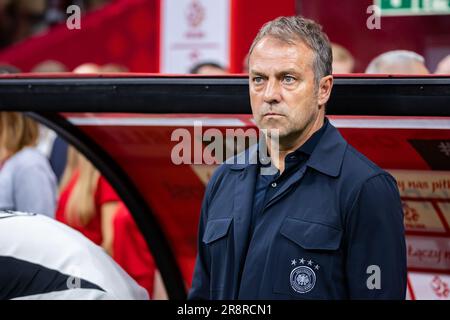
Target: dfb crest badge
x,y
303,277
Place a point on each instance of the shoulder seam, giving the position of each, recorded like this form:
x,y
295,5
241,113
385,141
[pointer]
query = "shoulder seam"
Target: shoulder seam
x,y
363,158
377,174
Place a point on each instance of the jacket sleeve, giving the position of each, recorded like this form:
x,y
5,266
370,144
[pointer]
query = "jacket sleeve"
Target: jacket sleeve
x,y
375,242
200,289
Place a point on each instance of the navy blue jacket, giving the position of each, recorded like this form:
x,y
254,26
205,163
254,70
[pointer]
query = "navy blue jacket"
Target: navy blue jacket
x,y
333,231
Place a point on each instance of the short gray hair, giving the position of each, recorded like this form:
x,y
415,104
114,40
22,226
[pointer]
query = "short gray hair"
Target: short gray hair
x,y
393,57
295,28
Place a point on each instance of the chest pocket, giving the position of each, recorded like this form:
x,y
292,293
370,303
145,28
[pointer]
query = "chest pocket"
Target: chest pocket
x,y
216,229
311,235
306,258
218,245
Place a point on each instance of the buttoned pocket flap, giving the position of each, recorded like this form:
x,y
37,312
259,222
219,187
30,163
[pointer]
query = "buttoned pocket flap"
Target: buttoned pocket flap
x,y
216,229
311,235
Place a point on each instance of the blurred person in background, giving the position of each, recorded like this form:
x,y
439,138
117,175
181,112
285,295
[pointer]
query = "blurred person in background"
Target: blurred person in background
x,y
27,183
343,61
89,67
43,259
56,9
86,68
58,156
208,68
8,69
92,4
113,68
443,66
49,66
87,202
50,144
54,148
19,19
398,62
132,254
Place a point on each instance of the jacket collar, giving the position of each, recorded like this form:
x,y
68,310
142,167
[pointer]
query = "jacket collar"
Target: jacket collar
x,y
326,158
244,159
328,155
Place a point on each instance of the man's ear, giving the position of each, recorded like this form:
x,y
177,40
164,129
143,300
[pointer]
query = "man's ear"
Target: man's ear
x,y
325,86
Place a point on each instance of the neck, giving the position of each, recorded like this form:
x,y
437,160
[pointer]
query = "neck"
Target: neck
x,y
288,144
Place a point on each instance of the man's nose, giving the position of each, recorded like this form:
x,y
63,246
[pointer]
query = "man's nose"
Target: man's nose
x,y
272,92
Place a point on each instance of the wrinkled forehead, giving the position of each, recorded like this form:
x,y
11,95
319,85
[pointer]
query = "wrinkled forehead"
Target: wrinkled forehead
x,y
275,54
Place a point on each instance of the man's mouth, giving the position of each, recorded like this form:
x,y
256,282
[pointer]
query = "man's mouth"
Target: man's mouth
x,y
273,115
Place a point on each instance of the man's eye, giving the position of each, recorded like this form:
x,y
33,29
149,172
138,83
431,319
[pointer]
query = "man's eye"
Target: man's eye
x,y
257,80
288,79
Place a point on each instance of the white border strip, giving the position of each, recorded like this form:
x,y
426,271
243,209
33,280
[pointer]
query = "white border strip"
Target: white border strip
x,y
156,122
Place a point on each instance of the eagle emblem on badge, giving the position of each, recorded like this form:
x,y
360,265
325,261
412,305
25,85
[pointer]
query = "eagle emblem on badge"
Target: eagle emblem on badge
x,y
303,278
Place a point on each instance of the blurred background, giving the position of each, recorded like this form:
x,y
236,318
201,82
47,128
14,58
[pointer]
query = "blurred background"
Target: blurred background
x,y
175,36
191,37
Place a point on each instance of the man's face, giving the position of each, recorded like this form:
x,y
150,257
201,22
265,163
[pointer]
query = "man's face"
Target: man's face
x,y
283,95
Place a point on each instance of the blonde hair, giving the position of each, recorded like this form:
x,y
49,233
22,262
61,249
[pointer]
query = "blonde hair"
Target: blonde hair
x,y
80,208
17,131
70,168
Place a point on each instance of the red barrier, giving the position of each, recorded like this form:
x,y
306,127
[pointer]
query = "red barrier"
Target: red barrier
x,y
125,32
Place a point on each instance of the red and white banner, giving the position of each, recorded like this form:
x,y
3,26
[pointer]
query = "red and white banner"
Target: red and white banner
x,y
194,31
428,286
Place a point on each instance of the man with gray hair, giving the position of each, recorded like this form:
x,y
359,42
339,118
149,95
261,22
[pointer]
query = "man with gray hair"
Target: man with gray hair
x,y
398,62
327,223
